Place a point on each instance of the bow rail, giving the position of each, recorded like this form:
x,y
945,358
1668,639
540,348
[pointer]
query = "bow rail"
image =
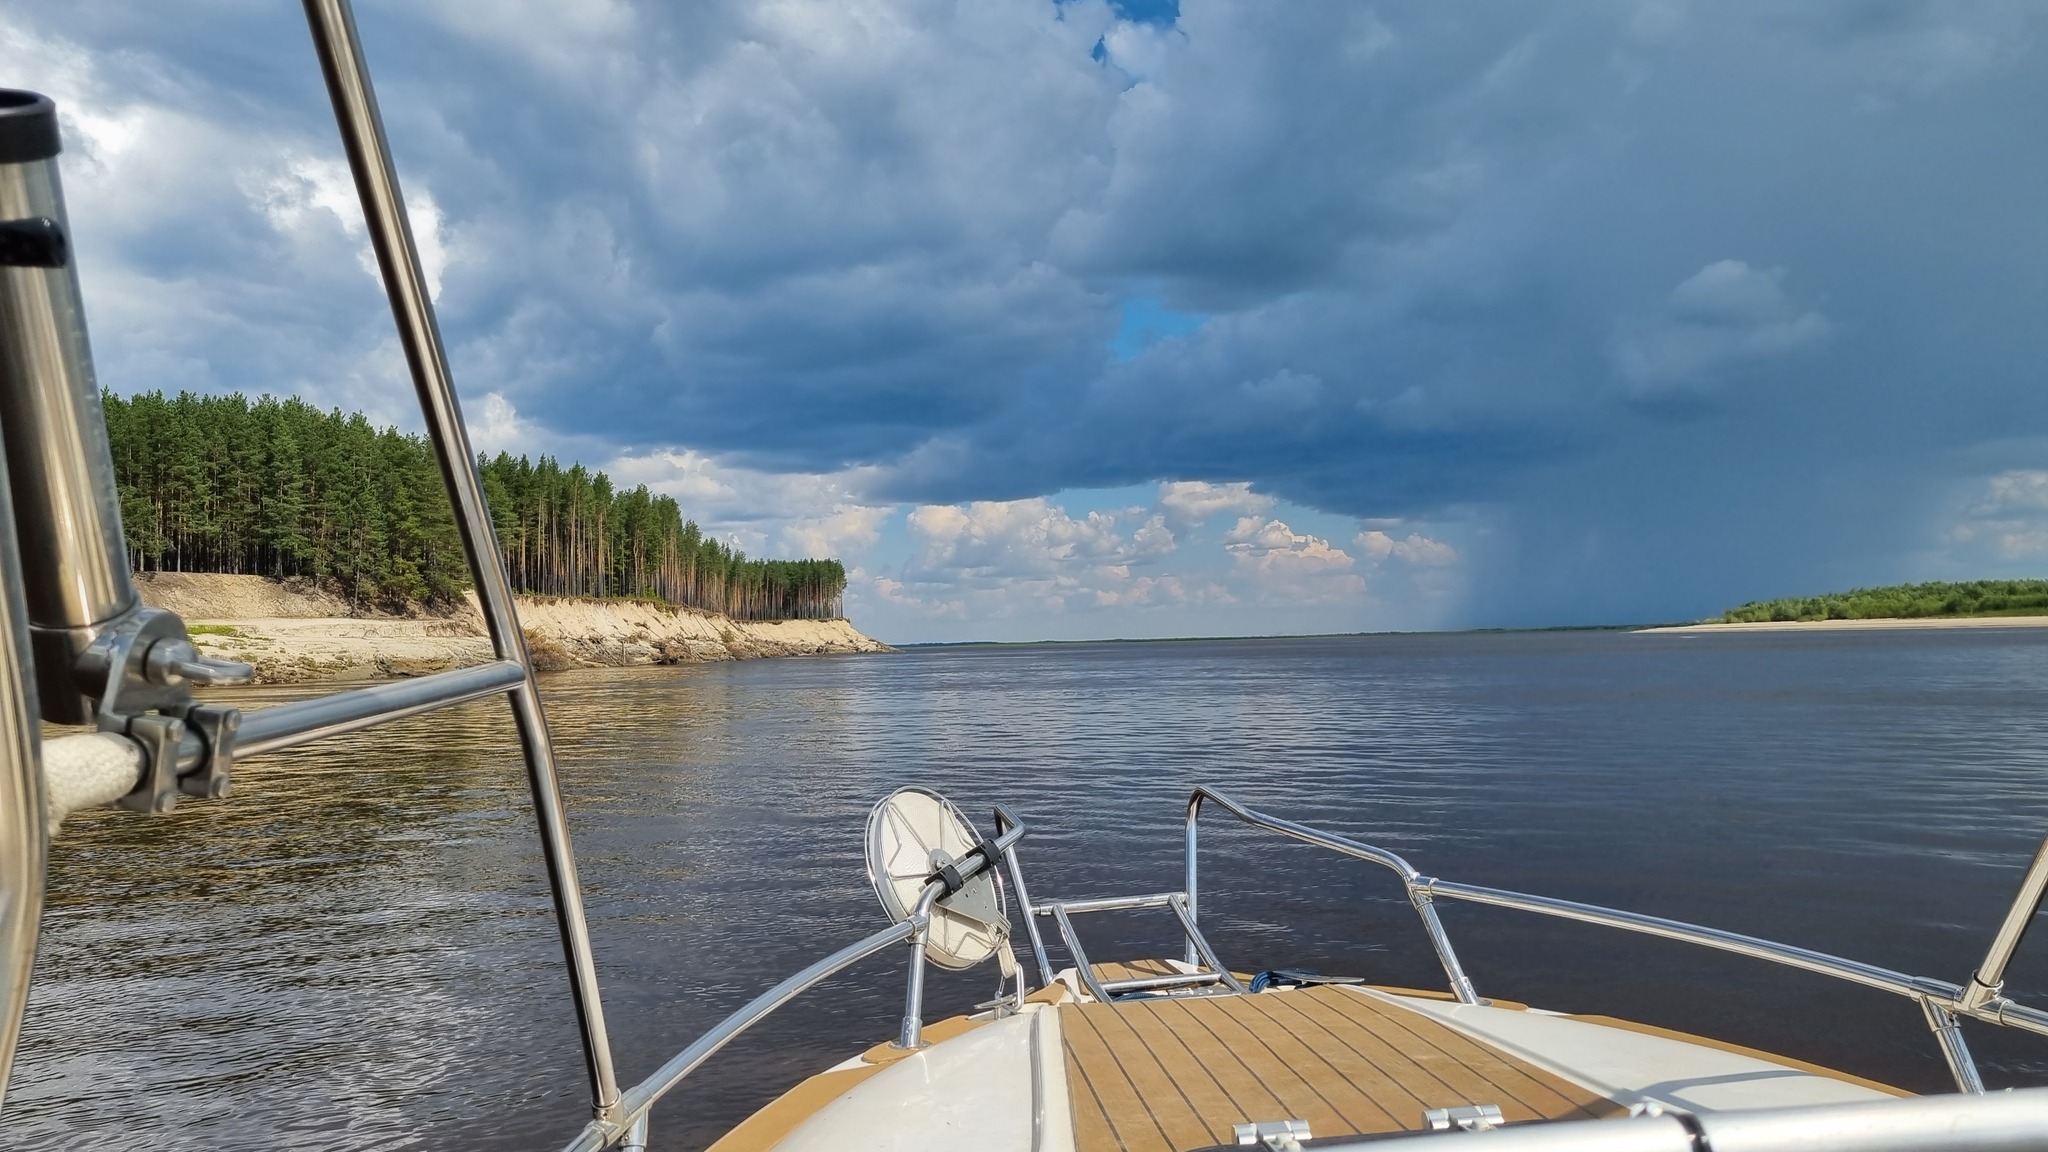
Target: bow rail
x,y
1942,1003
630,1123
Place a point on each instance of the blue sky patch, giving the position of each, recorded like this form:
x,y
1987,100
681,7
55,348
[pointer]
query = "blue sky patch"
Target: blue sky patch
x,y
1146,320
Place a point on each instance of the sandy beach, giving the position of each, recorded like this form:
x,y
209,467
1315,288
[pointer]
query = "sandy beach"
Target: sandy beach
x,y
1857,625
295,633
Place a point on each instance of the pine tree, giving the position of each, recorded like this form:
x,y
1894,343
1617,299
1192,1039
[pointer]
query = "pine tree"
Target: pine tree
x,y
220,484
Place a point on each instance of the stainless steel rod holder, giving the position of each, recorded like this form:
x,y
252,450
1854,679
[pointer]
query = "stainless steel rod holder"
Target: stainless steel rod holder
x,y
74,558
332,23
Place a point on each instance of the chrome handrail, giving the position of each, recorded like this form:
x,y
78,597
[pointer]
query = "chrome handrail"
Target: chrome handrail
x,y
1004,821
1989,978
2007,1122
1941,1002
636,1102
640,1098
1806,959
1461,985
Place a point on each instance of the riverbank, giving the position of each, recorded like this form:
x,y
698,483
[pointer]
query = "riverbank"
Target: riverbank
x,y
1858,625
293,632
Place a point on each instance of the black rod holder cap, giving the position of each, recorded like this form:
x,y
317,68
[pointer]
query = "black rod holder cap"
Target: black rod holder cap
x,y
28,127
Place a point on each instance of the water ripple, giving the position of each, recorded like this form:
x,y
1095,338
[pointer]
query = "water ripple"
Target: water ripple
x,y
356,949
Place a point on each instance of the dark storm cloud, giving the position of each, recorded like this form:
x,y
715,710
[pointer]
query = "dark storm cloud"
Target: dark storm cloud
x,y
1684,302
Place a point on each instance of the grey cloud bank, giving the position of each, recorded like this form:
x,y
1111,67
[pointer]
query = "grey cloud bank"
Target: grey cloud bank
x,y
1662,306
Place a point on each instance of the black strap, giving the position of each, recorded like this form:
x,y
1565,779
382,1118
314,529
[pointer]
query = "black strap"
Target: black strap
x,y
949,874
33,243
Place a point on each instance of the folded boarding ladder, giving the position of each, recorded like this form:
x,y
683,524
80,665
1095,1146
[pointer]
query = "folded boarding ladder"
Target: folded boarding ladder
x,y
1198,970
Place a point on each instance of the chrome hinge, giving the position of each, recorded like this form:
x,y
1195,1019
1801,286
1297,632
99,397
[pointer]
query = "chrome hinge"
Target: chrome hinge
x,y
1467,1117
1276,1135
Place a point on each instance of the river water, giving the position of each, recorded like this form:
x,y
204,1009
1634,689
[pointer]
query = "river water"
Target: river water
x,y
355,950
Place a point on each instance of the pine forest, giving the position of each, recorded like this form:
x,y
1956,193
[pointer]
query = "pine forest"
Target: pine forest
x,y
280,488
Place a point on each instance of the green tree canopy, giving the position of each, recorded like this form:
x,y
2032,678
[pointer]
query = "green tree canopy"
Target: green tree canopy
x,y
1902,601
281,488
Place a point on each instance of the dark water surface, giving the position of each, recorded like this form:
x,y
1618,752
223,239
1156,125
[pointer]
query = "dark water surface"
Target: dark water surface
x,y
355,950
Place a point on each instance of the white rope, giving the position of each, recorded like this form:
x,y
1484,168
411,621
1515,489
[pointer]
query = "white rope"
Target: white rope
x,y
86,772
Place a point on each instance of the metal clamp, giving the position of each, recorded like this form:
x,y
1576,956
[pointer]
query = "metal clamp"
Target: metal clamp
x,y
158,737
140,672
216,725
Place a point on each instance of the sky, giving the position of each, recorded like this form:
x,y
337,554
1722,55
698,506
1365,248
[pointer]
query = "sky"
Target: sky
x,y
1062,320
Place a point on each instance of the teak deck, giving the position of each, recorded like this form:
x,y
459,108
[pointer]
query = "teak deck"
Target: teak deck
x,y
1171,1074
1131,969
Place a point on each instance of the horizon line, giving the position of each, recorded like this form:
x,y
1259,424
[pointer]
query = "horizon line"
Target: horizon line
x,y
1286,635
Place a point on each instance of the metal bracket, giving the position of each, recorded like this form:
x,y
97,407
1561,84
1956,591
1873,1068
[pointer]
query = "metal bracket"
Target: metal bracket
x,y
1465,1117
1277,1135
140,672
216,725
158,737
1954,1049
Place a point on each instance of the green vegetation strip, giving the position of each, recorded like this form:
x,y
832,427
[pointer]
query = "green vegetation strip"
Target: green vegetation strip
x,y
1904,602
280,488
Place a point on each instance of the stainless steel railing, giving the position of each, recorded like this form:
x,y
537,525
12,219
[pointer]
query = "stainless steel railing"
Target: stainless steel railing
x,y
632,1113
2006,1122
1461,986
1941,1002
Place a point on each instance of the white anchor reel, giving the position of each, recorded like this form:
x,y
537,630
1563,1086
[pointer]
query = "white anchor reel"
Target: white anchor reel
x,y
914,833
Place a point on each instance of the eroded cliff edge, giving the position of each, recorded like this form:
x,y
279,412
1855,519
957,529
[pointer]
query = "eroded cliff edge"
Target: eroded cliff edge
x,y
293,632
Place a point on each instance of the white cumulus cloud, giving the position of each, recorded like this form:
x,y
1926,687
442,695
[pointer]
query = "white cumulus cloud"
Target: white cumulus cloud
x,y
1298,565
1194,502
1414,548
1004,538
2008,518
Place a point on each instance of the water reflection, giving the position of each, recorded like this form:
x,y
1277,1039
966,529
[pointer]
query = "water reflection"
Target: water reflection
x,y
356,950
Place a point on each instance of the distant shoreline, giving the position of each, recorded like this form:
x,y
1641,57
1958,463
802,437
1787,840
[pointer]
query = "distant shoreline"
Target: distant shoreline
x,y
1269,636
294,632
1881,624
1875,625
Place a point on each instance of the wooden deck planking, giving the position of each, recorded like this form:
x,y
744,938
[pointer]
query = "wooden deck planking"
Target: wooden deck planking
x,y
1172,1094
1348,1088
1465,1066
1170,1074
1206,1051
1132,970
1264,1049
1095,1076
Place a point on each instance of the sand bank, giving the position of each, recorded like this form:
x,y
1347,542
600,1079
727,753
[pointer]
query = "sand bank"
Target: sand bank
x,y
1861,625
293,632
